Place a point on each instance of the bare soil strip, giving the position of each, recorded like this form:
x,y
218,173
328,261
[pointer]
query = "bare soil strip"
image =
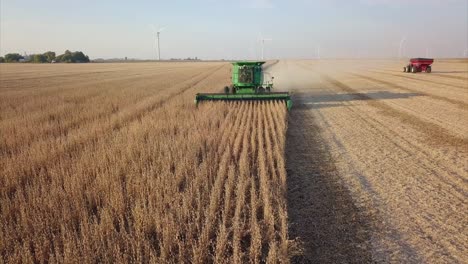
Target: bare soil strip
x,y
324,218
435,133
424,80
459,103
400,173
450,76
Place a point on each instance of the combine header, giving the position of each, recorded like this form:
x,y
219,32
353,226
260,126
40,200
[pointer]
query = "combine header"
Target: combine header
x,y
247,85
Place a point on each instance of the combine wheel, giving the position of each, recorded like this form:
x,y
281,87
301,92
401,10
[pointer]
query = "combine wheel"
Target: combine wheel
x,y
268,89
404,69
428,69
226,89
261,90
414,69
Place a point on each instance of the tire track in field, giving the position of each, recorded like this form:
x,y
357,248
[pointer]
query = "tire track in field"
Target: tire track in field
x,y
432,181
374,199
392,240
435,134
421,150
416,243
434,73
459,103
391,231
422,80
451,77
382,128
442,119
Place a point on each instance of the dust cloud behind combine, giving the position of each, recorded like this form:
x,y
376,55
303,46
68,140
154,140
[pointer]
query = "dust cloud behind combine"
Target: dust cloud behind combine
x,y
376,161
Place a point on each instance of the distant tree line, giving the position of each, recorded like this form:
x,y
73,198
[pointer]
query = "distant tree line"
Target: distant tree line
x,y
47,57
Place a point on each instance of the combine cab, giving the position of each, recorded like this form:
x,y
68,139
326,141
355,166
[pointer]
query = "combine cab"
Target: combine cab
x,y
419,65
247,85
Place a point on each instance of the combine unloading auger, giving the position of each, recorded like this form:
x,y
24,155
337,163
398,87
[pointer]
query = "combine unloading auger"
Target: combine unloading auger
x,y
247,85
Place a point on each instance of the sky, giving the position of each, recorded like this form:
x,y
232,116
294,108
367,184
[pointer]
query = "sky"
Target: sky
x,y
222,29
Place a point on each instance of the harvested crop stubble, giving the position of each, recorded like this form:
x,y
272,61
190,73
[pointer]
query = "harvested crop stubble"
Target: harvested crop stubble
x,y
147,181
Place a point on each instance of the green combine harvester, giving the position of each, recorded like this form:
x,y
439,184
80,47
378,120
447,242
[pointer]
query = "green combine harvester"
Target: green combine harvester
x,y
247,84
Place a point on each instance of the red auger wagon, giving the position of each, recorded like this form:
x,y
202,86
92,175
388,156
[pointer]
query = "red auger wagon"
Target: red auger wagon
x,y
419,65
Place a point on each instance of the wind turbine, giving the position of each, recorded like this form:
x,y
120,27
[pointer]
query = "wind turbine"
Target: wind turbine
x,y
262,40
401,47
161,29
317,51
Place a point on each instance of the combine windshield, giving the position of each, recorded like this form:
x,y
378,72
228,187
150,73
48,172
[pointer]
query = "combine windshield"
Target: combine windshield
x,y
246,74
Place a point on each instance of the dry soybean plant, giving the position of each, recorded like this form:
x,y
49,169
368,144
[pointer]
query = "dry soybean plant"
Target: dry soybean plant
x,y
130,176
